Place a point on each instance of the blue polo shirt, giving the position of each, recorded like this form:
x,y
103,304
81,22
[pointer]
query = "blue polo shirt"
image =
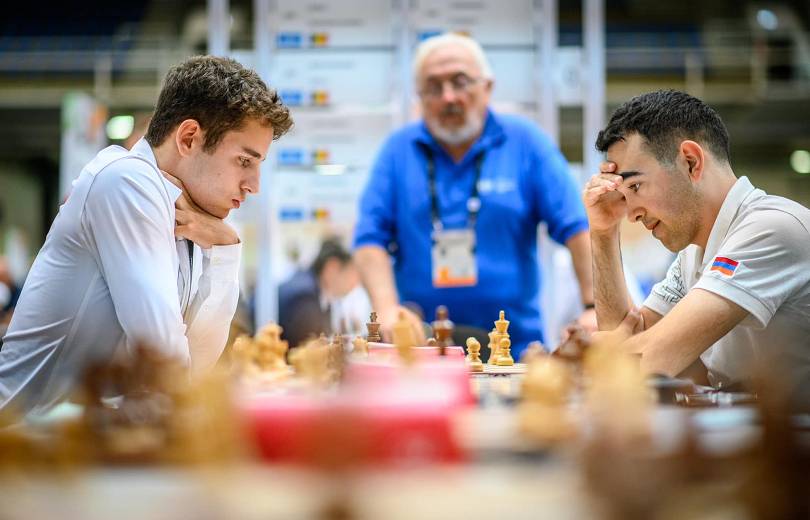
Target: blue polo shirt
x,y
524,181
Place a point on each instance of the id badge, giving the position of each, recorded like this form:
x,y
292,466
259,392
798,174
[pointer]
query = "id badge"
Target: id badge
x,y
453,256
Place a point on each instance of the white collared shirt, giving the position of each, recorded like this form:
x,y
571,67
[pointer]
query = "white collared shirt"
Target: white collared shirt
x,y
758,256
112,274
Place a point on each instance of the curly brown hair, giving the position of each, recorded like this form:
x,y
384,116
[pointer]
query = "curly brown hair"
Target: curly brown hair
x,y
220,94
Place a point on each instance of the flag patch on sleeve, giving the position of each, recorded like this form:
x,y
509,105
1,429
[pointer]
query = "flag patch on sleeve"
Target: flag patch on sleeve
x,y
727,266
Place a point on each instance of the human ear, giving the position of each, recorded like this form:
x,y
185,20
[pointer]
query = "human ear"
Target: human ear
x,y
186,134
694,158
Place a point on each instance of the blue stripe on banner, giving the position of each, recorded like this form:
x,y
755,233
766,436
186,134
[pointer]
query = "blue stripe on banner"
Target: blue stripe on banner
x,y
723,264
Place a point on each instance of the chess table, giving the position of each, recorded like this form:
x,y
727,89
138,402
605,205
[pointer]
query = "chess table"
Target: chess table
x,y
500,476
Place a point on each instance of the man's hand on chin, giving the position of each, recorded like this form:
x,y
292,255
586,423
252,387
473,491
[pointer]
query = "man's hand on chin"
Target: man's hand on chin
x,y
195,224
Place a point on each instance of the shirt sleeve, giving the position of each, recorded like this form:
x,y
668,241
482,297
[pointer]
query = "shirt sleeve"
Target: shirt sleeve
x,y
669,291
557,193
762,262
127,218
377,210
212,309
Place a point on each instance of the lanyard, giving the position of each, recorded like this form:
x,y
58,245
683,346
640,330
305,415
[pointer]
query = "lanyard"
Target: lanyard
x,y
473,203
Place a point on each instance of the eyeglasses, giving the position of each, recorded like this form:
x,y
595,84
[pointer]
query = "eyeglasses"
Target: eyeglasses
x,y
460,84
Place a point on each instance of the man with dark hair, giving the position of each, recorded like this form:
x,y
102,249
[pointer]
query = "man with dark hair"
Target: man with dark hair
x,y
304,301
139,253
738,292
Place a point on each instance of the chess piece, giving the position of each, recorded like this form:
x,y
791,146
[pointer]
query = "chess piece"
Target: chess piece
x,y
548,381
360,347
502,325
336,353
575,344
431,342
311,362
271,349
474,355
493,347
373,327
534,351
243,357
505,353
542,413
501,333
404,338
442,329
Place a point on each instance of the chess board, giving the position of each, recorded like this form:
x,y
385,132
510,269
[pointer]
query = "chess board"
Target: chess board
x,y
517,368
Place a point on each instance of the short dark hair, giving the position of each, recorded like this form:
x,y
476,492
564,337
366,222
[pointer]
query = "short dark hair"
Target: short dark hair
x,y
663,119
330,248
218,93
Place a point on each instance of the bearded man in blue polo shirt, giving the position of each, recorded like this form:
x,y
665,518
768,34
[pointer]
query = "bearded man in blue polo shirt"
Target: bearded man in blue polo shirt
x,y
455,200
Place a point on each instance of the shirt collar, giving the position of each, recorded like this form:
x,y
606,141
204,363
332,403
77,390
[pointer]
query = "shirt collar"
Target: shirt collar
x,y
728,211
491,136
144,149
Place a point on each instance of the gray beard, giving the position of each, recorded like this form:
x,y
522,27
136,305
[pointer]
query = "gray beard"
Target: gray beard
x,y
469,131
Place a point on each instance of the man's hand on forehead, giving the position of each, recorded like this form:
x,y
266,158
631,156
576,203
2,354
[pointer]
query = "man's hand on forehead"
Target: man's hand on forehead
x,y
609,172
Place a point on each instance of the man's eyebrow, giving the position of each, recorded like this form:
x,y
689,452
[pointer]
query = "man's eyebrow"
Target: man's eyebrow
x,y
252,152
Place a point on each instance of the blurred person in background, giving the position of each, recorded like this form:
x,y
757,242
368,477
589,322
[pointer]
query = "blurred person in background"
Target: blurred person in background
x,y
9,288
9,294
326,298
139,254
455,201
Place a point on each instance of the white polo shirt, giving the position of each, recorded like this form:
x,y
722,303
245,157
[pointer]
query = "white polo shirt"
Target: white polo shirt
x,y
112,274
758,256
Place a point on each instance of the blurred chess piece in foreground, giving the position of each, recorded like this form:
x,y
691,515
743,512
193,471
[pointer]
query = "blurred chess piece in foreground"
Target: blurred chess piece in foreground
x,y
543,413
404,339
360,347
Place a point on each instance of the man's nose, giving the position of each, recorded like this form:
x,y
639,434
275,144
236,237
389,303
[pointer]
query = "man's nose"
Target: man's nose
x,y
635,214
251,184
448,92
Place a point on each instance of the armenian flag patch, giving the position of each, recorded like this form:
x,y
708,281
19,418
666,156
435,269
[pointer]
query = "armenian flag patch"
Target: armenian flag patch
x,y
727,266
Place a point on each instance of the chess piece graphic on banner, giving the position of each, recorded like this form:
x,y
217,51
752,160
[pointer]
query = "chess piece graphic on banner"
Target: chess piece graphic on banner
x,y
373,327
474,355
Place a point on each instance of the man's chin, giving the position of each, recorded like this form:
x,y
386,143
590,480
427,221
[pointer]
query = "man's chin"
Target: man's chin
x,y
672,245
219,213
454,136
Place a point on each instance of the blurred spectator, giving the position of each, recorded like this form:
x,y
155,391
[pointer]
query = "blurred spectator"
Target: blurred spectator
x,y
9,290
9,293
326,298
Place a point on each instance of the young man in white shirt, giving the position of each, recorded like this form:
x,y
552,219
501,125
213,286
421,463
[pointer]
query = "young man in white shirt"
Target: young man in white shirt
x,y
737,297
140,253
